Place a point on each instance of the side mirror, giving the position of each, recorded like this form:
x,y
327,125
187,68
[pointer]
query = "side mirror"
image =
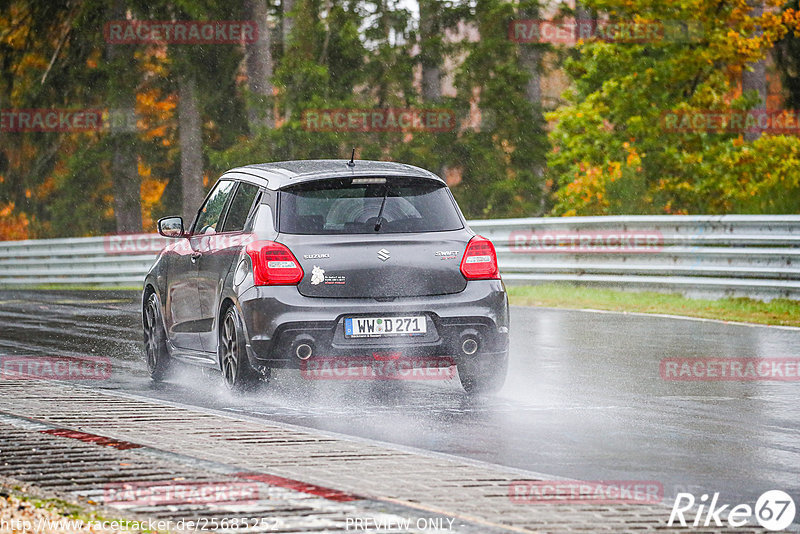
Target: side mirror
x,y
171,227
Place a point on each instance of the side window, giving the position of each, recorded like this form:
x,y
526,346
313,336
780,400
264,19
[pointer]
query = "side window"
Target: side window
x,y
240,207
210,215
264,222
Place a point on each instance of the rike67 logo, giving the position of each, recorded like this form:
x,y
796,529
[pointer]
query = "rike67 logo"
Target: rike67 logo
x,y
774,510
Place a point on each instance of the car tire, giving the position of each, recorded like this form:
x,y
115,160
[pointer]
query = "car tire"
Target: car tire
x,y
237,373
482,375
157,356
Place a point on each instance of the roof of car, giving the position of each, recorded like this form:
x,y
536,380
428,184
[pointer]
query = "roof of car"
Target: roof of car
x,y
283,173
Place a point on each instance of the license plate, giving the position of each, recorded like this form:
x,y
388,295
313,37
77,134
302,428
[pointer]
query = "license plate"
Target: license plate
x,y
384,326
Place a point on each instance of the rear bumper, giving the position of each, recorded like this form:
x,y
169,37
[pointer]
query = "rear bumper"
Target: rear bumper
x,y
278,318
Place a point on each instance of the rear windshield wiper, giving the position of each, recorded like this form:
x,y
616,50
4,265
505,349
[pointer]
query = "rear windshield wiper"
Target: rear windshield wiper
x,y
380,212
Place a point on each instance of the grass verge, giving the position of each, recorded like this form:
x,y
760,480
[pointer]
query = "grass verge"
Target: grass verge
x,y
782,312
23,512
69,287
776,312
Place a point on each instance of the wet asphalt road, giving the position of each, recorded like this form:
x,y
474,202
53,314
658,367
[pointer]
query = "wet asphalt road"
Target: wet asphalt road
x,y
584,398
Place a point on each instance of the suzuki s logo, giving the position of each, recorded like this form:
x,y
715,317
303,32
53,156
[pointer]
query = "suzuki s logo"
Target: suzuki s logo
x,y
383,254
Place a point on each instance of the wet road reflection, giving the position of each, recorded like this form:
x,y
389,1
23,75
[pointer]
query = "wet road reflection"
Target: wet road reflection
x,y
584,398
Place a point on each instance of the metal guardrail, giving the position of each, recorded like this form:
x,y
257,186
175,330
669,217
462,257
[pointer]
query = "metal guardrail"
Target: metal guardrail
x,y
732,255
113,261
756,256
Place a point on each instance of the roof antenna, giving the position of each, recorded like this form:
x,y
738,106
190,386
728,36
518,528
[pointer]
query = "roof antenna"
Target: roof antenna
x,y
352,163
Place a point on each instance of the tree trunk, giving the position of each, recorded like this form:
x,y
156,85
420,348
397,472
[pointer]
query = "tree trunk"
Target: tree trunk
x,y
430,52
583,14
431,83
288,22
287,26
191,147
756,79
530,58
124,162
259,69
127,184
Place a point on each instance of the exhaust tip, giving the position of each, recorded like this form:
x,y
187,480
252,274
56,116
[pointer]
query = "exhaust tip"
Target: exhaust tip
x,y
304,351
469,346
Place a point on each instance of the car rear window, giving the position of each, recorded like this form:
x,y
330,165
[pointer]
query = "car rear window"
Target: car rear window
x,y
352,205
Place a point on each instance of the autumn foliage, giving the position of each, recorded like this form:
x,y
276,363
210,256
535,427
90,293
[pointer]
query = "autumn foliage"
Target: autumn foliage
x,y
603,149
611,152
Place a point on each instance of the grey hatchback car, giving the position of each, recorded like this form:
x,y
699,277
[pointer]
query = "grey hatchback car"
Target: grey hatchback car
x,y
292,261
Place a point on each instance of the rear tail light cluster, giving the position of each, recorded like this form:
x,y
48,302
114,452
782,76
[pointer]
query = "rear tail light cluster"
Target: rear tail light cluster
x,y
480,260
273,264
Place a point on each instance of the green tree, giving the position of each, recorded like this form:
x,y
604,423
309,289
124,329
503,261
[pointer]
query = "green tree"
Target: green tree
x,y
501,159
611,151
787,58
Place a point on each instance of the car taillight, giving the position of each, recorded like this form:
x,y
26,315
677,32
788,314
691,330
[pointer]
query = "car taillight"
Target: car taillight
x,y
273,264
480,260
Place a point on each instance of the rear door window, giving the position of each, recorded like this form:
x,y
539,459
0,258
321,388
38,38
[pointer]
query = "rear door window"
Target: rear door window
x,y
353,206
240,207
